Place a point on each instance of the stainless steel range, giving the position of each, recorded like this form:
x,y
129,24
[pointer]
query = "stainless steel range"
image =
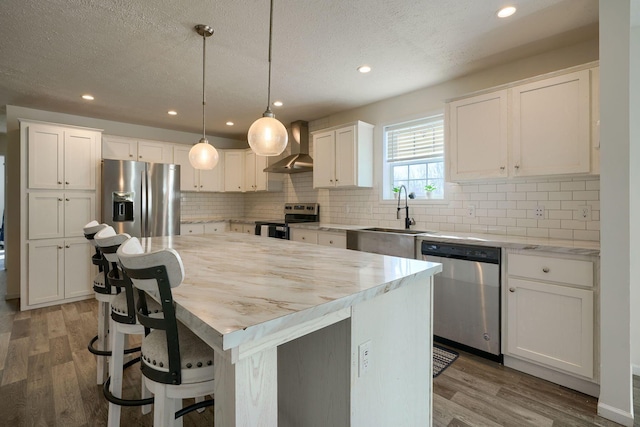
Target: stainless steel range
x,y
293,213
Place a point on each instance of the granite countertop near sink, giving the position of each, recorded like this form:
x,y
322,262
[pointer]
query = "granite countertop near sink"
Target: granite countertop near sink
x,y
321,226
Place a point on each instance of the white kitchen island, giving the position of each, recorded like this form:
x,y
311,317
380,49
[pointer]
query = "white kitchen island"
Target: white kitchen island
x,y
290,324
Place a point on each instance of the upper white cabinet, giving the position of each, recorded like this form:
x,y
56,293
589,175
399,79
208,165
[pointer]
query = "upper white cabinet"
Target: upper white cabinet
x,y
478,135
234,161
255,178
533,129
551,126
61,157
192,179
343,156
123,148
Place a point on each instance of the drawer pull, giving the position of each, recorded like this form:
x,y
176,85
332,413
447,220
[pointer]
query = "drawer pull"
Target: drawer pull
x,y
303,237
512,289
331,242
545,269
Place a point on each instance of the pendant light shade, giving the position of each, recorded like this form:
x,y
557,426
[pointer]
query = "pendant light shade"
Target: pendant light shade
x,y
203,155
267,136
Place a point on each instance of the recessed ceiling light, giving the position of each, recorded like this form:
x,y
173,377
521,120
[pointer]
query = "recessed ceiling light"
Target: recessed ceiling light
x,y
172,113
277,103
230,123
506,12
364,69
87,97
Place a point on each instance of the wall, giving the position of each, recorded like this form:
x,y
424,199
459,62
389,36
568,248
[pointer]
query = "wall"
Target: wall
x,y
634,105
211,205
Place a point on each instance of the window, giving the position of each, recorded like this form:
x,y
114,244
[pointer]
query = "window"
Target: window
x,y
414,157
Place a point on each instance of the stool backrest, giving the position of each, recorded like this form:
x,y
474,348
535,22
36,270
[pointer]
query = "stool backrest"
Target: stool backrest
x,y
156,273
90,231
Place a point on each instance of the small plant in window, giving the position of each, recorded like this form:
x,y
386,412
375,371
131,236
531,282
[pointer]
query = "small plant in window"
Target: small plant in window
x,y
395,190
429,189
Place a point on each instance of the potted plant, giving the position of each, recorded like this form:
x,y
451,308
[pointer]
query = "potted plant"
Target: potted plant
x,y
395,190
429,189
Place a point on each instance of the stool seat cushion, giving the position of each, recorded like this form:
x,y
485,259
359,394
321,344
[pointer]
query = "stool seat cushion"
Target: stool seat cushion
x,y
119,304
196,356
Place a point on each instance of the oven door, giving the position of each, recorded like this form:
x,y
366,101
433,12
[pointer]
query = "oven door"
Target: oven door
x,y
279,231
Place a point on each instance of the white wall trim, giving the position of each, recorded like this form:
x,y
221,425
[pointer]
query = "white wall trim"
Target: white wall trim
x,y
615,414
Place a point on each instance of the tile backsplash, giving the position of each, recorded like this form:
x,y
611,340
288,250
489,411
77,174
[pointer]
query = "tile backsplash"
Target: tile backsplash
x,y
501,207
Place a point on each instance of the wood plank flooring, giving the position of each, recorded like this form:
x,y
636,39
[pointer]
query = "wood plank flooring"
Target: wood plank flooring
x,y
47,378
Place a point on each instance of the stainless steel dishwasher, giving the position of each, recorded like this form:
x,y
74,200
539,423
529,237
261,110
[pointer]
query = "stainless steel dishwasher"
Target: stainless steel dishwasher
x,y
466,296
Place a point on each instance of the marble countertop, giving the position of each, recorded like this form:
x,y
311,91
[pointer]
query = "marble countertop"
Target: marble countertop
x,y
240,287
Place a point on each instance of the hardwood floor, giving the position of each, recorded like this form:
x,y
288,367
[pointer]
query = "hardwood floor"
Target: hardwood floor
x,y
47,378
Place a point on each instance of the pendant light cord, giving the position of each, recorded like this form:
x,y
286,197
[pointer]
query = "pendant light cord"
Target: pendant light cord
x,y
270,37
204,74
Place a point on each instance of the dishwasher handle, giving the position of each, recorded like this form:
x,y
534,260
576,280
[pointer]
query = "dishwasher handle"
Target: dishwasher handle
x,y
487,254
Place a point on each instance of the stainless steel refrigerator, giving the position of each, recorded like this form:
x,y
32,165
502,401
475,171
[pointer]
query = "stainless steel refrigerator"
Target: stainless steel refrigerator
x,y
141,199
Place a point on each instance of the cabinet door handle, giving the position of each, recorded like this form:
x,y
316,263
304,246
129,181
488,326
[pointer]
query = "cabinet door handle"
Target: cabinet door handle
x,y
512,289
195,186
331,242
303,237
517,167
67,246
139,157
130,155
502,168
200,185
330,180
59,247
60,182
67,200
66,182
545,269
59,200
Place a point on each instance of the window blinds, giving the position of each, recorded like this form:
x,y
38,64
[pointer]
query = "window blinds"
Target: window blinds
x,y
419,139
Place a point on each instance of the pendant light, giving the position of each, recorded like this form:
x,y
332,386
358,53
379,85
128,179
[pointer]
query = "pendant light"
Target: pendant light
x,y
203,155
267,136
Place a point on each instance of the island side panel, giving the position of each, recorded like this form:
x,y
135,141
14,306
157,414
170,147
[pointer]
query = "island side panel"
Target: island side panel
x,y
314,378
396,389
246,392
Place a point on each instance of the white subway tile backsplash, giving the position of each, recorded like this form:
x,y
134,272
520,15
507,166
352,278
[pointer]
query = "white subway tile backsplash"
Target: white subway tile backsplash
x,y
500,208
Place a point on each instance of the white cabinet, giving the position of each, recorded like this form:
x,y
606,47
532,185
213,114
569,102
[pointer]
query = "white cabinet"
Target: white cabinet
x,y
234,161
255,178
533,129
215,227
61,157
305,236
551,126
550,312
192,179
124,148
57,214
243,228
478,136
332,239
191,229
343,156
59,270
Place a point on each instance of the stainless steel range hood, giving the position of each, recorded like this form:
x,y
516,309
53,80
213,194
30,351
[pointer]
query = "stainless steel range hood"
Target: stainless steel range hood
x,y
298,162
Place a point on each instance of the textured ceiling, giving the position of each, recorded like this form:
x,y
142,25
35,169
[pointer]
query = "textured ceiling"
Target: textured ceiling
x,y
142,58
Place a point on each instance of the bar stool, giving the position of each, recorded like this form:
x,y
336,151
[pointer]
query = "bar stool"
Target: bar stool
x,y
123,323
104,294
176,364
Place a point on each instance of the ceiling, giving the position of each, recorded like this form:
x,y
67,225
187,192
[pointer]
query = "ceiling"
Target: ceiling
x,y
142,58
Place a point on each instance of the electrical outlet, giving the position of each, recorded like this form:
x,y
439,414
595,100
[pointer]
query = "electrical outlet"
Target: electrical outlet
x,y
364,351
471,211
539,212
584,213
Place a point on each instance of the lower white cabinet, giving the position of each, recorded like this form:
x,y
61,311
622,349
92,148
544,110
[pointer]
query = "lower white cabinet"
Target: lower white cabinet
x,y
215,227
203,228
550,312
243,228
333,239
305,236
59,269
191,229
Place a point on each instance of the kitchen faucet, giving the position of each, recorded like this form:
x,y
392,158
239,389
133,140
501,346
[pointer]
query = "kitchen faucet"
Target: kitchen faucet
x,y
408,222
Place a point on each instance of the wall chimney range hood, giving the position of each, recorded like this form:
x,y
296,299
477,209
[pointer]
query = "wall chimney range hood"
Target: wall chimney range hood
x,y
298,162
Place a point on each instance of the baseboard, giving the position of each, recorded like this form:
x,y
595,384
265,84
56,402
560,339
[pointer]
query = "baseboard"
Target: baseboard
x,y
582,385
614,414
11,296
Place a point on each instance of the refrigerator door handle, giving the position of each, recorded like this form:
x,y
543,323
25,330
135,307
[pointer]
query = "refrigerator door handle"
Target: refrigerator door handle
x,y
144,208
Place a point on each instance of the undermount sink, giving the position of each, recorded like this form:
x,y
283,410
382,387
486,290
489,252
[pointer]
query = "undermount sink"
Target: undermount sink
x,y
384,241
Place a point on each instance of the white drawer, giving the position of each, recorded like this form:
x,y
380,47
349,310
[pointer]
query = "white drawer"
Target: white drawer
x,y
306,236
570,271
190,229
215,227
336,240
237,227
